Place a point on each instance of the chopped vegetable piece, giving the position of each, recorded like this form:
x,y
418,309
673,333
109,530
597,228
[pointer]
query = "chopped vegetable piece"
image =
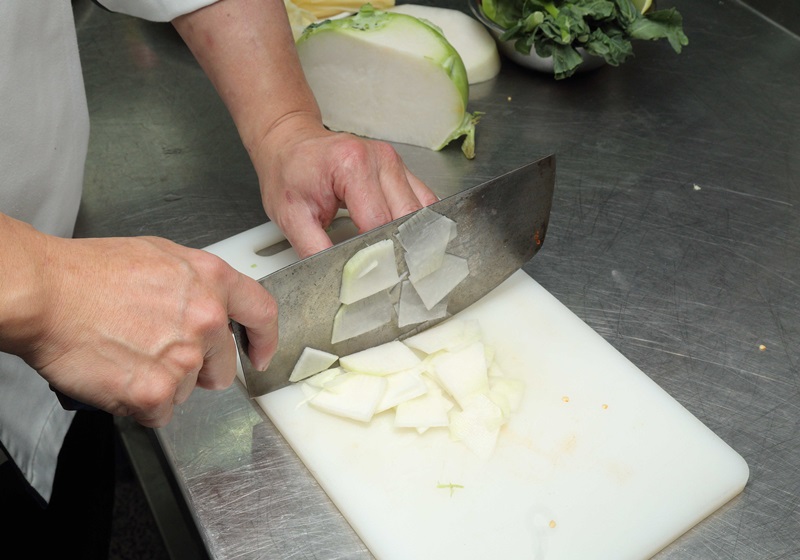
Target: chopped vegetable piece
x,y
440,337
462,373
425,241
409,232
368,272
477,426
388,76
355,396
362,316
381,360
412,310
311,362
401,386
426,411
435,286
511,389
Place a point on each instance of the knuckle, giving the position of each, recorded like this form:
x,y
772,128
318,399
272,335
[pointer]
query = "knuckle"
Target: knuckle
x,y
151,394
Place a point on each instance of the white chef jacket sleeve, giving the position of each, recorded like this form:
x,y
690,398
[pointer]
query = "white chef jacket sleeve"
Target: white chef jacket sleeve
x,y
154,10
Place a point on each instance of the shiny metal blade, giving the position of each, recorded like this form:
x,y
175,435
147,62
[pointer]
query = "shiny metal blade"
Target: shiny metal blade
x,y
501,225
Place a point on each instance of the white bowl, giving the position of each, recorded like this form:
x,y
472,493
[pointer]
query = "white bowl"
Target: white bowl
x,y
532,60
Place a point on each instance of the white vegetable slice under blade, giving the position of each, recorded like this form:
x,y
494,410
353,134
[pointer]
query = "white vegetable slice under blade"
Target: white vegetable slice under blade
x,y
311,362
362,316
425,241
437,285
411,310
389,76
355,396
369,271
383,359
470,38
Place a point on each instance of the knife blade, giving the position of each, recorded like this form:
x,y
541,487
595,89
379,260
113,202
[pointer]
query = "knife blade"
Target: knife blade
x,y
501,225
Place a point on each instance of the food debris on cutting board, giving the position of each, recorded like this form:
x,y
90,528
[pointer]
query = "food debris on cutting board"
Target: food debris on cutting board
x,y
442,377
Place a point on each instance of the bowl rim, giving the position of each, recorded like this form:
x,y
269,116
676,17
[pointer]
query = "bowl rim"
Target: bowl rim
x,y
475,7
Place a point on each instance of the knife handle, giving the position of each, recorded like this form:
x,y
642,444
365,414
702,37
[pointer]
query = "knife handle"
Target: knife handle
x,y
68,403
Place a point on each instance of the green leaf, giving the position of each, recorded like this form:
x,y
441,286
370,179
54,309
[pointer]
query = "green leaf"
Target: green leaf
x,y
662,24
612,46
565,61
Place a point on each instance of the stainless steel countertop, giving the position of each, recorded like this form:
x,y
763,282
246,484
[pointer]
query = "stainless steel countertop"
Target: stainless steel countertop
x,y
675,234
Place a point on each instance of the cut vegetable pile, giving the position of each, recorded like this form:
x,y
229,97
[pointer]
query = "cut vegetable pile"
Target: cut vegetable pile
x,y
388,76
444,377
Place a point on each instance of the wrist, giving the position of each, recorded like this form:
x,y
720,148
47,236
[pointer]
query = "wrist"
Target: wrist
x,y
23,277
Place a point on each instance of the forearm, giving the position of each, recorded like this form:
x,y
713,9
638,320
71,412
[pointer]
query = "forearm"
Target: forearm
x,y
247,50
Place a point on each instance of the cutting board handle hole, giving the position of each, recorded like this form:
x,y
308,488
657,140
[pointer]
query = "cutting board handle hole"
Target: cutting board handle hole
x,y
274,249
341,229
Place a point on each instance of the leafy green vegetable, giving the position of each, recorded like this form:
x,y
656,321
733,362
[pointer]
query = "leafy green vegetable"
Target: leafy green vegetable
x,y
604,28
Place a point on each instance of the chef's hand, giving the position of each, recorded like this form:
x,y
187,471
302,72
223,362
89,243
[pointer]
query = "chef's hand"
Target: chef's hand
x,y
132,325
307,173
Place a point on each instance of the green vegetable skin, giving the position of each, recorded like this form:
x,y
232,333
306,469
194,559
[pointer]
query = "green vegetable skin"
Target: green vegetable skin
x,y
602,28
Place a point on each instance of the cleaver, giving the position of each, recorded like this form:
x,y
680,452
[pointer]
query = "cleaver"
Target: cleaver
x,y
501,225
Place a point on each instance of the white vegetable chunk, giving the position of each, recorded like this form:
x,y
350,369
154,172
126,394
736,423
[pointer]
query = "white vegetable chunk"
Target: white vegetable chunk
x,y
436,286
451,334
411,310
311,362
400,387
384,359
369,271
462,373
362,316
388,76
507,388
477,426
427,411
469,37
353,395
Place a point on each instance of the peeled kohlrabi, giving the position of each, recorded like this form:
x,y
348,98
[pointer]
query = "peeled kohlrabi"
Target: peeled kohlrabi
x,y
389,76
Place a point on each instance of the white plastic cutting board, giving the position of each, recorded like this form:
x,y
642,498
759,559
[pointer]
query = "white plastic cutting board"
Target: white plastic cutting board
x,y
598,463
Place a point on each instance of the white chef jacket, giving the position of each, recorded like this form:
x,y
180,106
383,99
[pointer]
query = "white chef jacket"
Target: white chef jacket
x,y
44,132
